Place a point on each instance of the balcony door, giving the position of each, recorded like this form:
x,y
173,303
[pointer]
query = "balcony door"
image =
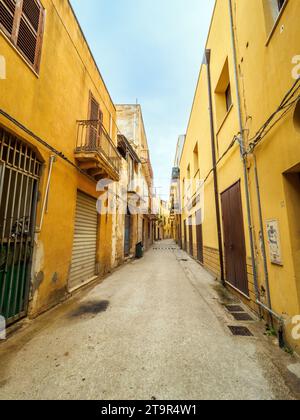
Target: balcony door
x,y
96,117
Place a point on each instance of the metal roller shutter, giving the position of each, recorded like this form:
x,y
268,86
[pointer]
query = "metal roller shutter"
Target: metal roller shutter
x,y
83,267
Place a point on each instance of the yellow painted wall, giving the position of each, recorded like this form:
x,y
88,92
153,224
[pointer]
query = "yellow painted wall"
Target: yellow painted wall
x,y
49,104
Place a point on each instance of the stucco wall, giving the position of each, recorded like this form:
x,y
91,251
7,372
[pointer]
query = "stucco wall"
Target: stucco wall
x,y
49,104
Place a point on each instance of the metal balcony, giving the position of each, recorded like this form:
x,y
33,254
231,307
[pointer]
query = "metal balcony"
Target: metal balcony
x,y
95,151
175,173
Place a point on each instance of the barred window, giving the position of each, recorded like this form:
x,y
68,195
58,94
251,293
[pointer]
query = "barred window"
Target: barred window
x,y
22,21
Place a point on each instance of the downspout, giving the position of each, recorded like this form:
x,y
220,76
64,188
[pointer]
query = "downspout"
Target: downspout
x,y
244,158
52,161
214,161
242,151
262,237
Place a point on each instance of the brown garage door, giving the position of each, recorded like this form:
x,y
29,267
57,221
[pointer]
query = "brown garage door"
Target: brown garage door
x,y
191,250
234,238
185,236
199,236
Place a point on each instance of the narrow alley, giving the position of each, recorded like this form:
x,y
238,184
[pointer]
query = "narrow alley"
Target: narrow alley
x,y
157,328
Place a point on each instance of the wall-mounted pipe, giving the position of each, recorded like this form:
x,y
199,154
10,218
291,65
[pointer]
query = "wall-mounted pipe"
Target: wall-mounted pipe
x,y
215,172
262,237
52,161
242,151
261,305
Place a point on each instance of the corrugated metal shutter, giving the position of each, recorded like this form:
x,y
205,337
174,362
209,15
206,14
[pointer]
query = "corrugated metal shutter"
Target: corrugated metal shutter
x,y
83,266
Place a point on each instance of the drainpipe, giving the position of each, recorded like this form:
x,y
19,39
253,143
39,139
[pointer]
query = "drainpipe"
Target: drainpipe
x,y
242,150
214,160
244,158
263,242
52,161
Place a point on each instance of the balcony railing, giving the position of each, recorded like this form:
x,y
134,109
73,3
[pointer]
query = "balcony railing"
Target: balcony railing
x,y
175,173
92,138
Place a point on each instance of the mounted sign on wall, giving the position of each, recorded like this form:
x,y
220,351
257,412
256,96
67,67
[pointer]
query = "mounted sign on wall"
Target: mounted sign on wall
x,y
273,235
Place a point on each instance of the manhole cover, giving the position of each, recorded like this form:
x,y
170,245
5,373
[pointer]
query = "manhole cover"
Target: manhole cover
x,y
234,308
242,316
240,331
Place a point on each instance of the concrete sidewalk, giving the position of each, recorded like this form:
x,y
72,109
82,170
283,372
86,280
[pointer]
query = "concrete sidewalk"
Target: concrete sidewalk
x,y
156,328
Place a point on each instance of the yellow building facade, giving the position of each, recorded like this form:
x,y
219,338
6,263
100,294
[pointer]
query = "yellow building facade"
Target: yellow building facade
x,y
140,182
243,157
58,138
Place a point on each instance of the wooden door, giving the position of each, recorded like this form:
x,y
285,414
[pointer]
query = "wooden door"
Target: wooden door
x,y
127,234
191,250
185,236
234,238
199,233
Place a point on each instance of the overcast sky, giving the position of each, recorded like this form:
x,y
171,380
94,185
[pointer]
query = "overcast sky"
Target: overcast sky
x,y
150,51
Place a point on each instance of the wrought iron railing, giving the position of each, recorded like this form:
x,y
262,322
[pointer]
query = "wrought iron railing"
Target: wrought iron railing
x,y
92,137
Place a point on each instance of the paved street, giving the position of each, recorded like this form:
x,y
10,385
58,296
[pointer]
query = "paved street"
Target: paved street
x,y
156,328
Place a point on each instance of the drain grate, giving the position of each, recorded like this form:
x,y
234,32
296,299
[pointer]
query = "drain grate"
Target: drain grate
x,y
234,308
165,249
240,331
242,316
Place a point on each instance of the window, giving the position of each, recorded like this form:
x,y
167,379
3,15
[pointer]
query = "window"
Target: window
x,y
96,118
131,171
272,9
95,111
228,98
223,95
189,172
196,160
296,117
22,21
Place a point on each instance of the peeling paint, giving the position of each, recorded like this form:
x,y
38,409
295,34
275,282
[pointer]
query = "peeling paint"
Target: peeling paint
x,y
38,280
55,278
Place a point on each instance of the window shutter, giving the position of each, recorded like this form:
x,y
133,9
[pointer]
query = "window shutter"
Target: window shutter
x,y
95,108
95,127
23,22
7,13
29,30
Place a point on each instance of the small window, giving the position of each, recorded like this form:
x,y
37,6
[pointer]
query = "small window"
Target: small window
x,y
228,98
280,4
272,9
23,23
223,95
189,172
196,160
95,127
297,117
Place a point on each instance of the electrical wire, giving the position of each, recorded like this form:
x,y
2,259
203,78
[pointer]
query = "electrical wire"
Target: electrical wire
x,y
287,103
285,106
222,157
